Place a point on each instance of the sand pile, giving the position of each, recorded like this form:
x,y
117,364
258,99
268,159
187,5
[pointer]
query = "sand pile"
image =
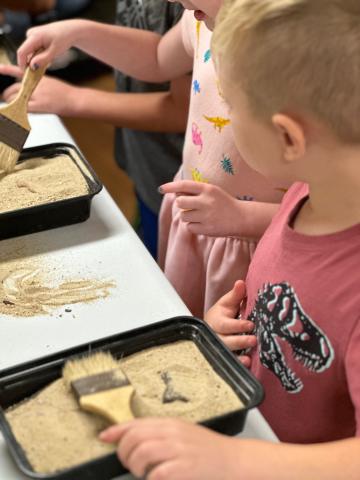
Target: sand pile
x,y
170,380
38,181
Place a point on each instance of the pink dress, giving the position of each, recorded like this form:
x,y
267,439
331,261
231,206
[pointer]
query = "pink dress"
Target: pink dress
x,y
203,268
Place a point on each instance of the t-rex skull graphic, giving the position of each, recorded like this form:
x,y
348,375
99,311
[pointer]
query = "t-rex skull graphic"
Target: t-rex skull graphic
x,y
277,314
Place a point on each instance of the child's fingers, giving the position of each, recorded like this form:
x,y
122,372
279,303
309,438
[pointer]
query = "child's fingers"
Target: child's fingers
x,y
188,202
245,360
114,433
229,326
146,455
140,431
186,187
31,45
11,92
40,59
239,342
197,228
11,70
232,299
34,52
191,216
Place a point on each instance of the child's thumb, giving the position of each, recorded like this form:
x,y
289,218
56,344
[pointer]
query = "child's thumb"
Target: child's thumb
x,y
233,298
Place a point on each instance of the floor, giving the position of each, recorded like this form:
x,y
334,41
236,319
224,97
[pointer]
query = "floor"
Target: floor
x,y
96,140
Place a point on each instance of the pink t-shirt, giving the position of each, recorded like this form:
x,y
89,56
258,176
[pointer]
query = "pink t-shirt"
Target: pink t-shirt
x,y
303,295
210,154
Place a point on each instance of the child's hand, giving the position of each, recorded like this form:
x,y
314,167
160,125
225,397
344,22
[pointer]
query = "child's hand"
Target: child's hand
x,y
172,449
222,318
53,39
50,96
207,209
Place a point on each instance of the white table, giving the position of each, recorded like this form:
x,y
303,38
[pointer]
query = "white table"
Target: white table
x,y
105,246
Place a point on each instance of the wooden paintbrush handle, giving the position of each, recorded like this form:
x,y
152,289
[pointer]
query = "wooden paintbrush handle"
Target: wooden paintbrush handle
x,y
17,109
112,404
29,82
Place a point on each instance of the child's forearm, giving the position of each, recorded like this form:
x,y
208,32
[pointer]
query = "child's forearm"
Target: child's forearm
x,y
254,218
258,460
138,53
152,112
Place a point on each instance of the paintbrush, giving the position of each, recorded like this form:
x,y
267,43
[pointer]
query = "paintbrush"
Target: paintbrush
x,y
14,123
101,386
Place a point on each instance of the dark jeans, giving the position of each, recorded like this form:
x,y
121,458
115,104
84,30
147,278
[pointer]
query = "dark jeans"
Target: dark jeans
x,y
147,228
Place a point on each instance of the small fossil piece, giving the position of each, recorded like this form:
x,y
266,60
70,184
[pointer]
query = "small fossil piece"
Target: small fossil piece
x,y
7,302
170,394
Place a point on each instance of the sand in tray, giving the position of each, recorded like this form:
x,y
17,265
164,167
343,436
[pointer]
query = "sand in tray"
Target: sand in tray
x,y
170,380
37,181
4,58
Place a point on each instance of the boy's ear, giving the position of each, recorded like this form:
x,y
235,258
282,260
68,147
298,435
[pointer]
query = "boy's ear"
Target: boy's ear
x,y
292,136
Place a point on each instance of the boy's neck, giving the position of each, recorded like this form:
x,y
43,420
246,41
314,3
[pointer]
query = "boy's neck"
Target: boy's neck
x,y
334,196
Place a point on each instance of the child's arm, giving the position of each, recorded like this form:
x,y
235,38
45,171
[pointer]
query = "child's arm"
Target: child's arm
x,y
141,54
166,448
209,210
153,112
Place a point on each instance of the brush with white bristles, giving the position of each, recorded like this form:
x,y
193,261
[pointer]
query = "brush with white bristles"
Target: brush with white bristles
x,y
14,123
101,386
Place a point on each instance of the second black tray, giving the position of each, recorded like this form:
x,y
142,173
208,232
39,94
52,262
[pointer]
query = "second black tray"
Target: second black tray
x,y
22,381
7,45
55,214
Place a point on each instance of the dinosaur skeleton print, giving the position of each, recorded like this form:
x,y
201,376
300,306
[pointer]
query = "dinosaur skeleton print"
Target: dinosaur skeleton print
x,y
154,15
279,317
130,13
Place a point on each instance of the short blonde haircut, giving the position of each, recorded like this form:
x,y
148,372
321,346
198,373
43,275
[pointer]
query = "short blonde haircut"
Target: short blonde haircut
x,y
299,56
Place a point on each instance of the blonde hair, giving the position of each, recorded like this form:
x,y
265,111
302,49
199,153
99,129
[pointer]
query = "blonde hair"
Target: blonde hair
x,y
300,56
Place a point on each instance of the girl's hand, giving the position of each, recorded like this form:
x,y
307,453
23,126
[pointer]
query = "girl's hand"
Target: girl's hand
x,y
158,449
50,96
206,208
52,39
222,318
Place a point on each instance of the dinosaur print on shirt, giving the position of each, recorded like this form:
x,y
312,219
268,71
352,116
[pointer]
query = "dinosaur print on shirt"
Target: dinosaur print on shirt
x,y
218,122
279,317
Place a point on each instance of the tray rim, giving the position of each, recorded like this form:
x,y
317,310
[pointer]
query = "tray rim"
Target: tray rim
x,y
196,324
26,152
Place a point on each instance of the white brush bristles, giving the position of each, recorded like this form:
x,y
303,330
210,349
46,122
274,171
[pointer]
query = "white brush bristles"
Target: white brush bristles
x,y
8,158
90,365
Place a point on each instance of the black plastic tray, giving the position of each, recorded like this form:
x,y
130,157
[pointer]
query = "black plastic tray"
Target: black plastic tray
x,y
7,45
20,382
55,214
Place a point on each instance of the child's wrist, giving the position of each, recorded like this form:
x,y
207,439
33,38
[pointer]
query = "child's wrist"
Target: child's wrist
x,y
72,102
79,31
237,227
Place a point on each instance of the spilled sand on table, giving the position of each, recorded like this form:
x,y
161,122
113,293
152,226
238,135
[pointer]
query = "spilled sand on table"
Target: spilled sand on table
x,y
170,380
27,288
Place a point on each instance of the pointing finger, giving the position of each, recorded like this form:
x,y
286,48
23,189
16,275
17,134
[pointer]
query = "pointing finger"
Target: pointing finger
x,y
186,187
11,70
